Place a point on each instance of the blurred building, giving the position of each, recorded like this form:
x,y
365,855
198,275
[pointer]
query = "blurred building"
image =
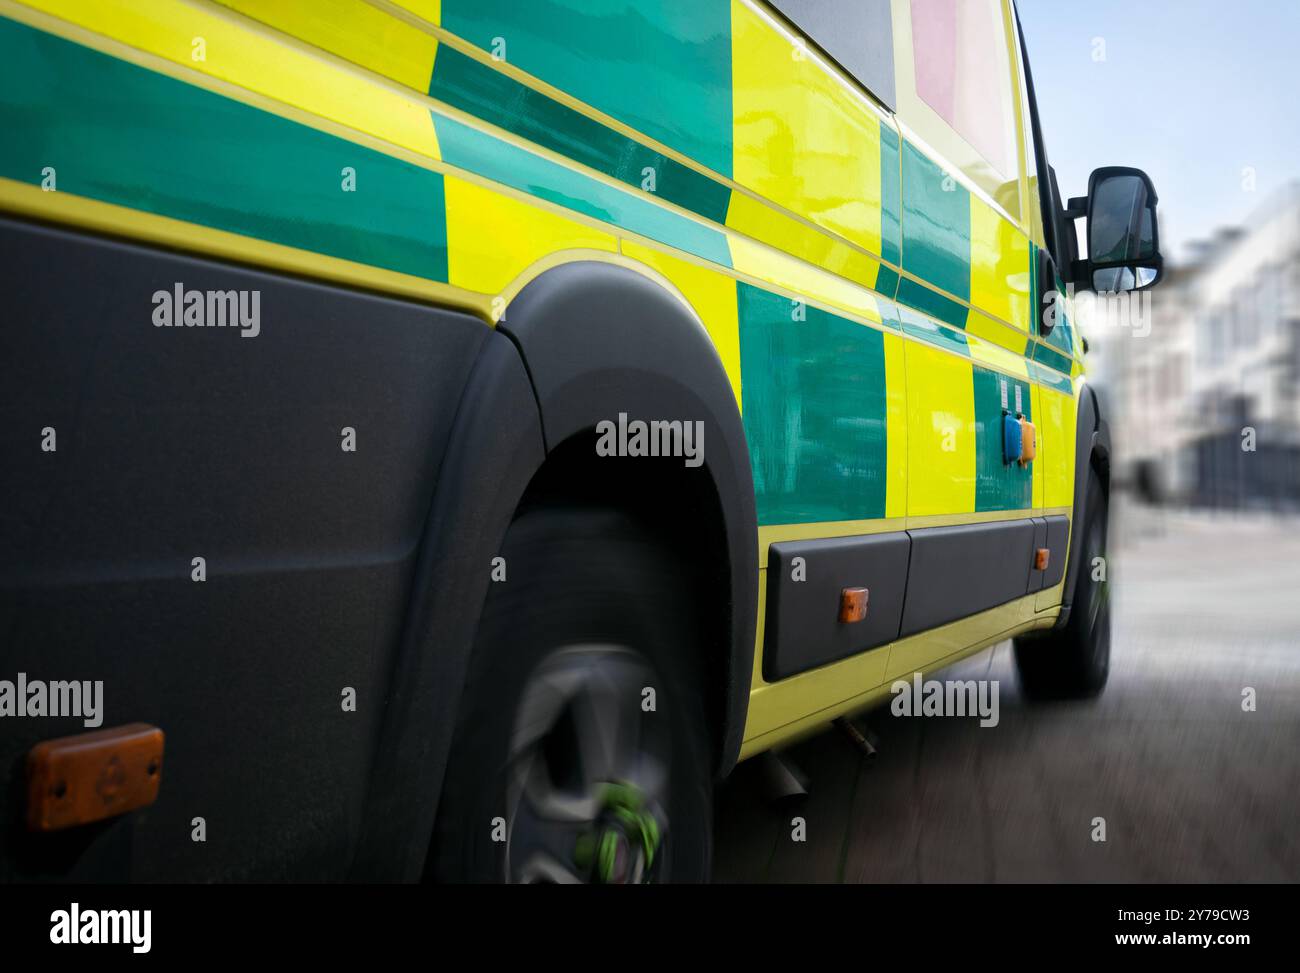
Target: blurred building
x,y
1207,403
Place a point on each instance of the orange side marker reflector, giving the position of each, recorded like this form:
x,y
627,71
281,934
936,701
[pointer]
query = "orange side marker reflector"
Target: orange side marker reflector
x,y
853,604
92,776
1028,442
1041,557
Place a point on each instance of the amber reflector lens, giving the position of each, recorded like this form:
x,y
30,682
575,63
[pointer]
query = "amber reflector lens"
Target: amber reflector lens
x,y
853,604
92,776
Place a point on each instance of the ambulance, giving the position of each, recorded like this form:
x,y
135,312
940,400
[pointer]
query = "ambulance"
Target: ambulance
x,y
365,591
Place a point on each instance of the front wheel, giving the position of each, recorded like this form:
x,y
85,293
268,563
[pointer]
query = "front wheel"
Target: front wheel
x,y
581,753
1074,661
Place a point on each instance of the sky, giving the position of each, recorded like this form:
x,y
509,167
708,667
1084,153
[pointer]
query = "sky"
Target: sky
x,y
1199,93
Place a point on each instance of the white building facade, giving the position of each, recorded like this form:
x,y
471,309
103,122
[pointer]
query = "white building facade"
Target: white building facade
x,y
1207,405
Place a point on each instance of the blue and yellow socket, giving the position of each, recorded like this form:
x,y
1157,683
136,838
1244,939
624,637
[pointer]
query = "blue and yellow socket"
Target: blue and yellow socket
x,y
1012,440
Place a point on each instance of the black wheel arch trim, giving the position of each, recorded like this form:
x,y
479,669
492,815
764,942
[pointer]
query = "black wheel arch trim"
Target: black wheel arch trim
x,y
579,344
599,339
495,448
1092,452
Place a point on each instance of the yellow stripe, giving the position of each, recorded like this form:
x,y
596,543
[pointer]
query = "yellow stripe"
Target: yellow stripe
x,y
66,208
754,218
982,517
925,651
249,55
770,266
355,31
997,356
777,533
91,214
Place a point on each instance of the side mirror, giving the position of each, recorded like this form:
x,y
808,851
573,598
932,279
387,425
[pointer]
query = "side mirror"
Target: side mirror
x,y
1123,233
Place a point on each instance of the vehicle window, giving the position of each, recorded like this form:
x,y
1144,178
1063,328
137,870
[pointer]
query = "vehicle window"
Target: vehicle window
x,y
962,72
857,34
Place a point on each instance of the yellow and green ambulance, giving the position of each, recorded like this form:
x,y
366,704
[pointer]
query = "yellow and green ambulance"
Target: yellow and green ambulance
x,y
466,429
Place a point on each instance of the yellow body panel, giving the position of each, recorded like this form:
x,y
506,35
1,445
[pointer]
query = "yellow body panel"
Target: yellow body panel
x,y
999,269
941,433
803,138
493,238
354,30
1058,430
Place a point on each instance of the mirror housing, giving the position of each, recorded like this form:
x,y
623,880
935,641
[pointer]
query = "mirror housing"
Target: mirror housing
x,y
1123,232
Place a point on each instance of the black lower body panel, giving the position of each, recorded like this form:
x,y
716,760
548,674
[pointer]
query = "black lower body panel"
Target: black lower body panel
x,y
172,443
917,580
803,630
958,571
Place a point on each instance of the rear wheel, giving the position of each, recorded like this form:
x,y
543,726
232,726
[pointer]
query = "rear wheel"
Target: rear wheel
x,y
1074,661
581,753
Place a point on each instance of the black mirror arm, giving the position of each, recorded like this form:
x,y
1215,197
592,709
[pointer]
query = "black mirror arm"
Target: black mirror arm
x,y
1046,284
1080,268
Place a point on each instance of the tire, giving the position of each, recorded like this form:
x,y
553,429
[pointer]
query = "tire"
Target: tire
x,y
1073,662
554,751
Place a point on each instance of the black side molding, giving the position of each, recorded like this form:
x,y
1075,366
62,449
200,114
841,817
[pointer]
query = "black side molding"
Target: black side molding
x,y
958,571
1058,535
1052,533
918,580
803,628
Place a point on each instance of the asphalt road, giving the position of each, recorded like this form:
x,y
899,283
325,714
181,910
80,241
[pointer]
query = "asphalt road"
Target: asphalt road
x,y
1191,787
